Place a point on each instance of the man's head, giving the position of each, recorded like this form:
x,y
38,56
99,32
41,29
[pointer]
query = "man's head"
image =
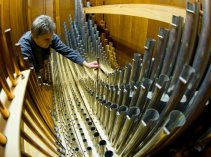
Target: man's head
x,y
42,30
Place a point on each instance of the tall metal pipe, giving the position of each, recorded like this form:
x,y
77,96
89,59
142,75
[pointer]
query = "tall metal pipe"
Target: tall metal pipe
x,y
160,87
106,114
115,94
195,107
149,46
121,92
188,40
176,119
160,51
108,153
130,121
120,118
136,65
112,115
150,118
101,147
96,138
136,93
89,151
145,86
126,93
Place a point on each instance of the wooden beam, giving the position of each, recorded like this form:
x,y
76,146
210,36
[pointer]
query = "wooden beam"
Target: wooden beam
x,y
150,11
11,127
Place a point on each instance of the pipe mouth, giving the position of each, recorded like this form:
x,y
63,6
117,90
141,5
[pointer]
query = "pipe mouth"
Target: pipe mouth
x,y
90,123
109,153
146,83
114,106
102,143
133,111
80,129
123,108
89,148
163,79
103,102
150,115
96,134
108,103
176,119
76,149
92,128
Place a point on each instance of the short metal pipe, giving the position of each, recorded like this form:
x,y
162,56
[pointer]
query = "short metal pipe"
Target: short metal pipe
x,y
101,147
96,138
85,142
106,114
131,118
89,151
109,153
120,118
113,109
150,118
175,120
78,152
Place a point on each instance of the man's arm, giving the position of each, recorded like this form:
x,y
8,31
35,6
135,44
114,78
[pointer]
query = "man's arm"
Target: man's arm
x,y
66,51
73,55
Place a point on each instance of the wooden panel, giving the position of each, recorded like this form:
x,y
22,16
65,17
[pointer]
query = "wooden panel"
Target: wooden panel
x,y
36,8
129,34
149,11
17,22
179,3
49,8
5,22
66,8
39,7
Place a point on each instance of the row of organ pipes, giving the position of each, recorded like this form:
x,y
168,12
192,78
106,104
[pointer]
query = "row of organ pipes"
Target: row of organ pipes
x,y
138,109
134,110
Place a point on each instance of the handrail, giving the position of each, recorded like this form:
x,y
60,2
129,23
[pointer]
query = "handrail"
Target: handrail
x,y
23,131
11,127
150,11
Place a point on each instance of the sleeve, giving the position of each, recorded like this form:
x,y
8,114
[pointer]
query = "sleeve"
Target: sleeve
x,y
66,51
26,50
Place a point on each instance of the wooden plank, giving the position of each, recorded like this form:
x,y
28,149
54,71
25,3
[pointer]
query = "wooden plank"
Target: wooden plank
x,y
11,127
149,11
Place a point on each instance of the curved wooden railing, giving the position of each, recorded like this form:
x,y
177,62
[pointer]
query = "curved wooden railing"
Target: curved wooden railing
x,y
26,126
162,13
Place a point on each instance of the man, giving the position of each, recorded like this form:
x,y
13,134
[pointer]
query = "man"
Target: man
x,y
36,44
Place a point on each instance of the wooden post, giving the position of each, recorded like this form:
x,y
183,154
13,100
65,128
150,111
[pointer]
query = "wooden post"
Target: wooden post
x,y
11,50
5,86
5,113
6,60
20,57
3,139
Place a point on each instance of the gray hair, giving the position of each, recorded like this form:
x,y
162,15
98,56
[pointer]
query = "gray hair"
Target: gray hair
x,y
42,25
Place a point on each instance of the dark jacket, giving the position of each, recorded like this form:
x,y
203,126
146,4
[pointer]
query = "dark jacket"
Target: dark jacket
x,y
37,55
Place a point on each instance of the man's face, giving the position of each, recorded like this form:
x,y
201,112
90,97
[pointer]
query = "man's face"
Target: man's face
x,y
44,41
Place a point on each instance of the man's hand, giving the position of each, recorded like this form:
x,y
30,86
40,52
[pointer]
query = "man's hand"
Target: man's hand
x,y
92,64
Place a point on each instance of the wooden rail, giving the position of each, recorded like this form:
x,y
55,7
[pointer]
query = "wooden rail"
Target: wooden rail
x,y
11,127
26,126
149,11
